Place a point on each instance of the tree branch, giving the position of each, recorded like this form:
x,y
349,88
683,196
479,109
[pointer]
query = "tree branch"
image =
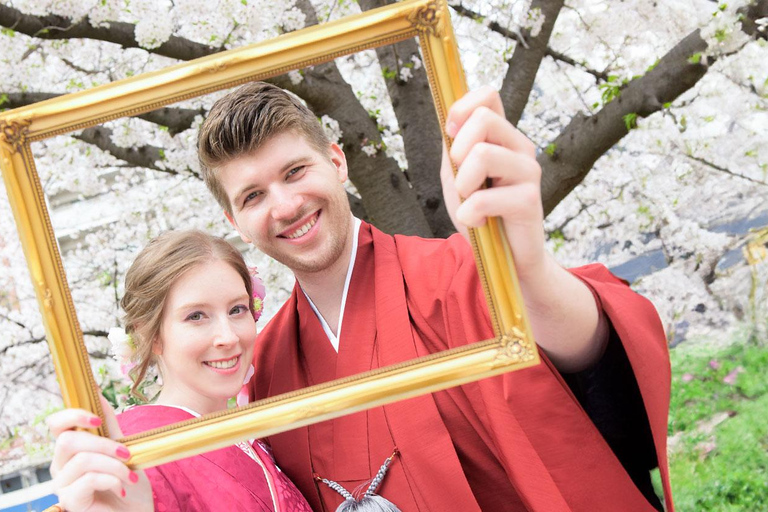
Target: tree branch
x,y
600,76
40,339
724,170
587,138
387,197
124,34
175,119
419,127
526,60
143,156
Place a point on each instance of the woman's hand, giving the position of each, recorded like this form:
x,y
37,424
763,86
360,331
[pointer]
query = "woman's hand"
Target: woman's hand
x,y
89,471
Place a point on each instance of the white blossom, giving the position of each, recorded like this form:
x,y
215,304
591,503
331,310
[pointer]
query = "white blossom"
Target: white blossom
x,y
331,127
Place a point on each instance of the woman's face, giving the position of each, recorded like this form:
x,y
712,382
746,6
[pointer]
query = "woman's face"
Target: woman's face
x,y
206,339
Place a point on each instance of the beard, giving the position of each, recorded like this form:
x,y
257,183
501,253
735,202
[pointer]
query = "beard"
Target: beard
x,y
335,219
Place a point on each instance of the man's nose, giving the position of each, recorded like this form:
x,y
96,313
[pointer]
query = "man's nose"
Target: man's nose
x,y
286,204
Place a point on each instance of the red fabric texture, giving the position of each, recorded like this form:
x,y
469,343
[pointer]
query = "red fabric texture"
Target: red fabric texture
x,y
519,441
225,479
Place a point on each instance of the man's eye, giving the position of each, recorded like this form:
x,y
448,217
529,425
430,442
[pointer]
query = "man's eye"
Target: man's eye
x,y
295,171
250,197
195,316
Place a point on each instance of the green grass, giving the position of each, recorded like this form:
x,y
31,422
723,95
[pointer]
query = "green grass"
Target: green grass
x,y
719,466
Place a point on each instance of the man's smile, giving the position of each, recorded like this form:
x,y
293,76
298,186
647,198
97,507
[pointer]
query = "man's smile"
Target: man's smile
x,y
300,228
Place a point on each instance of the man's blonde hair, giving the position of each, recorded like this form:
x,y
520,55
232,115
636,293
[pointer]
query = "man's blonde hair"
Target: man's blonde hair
x,y
243,120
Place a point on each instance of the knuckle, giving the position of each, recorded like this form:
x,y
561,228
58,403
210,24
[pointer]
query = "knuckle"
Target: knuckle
x,y
536,171
529,147
65,438
484,113
529,196
480,152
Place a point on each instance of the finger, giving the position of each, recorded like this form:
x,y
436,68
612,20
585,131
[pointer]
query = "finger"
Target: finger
x,y
80,494
69,419
87,462
486,126
504,166
111,420
520,203
72,442
451,197
460,111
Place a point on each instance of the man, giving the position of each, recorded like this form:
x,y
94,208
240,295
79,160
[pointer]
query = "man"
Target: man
x,y
364,299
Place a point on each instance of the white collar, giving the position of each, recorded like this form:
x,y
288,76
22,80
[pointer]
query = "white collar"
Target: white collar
x,y
187,409
334,338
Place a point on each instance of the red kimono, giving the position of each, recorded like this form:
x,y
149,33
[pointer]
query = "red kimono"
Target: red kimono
x,y
225,479
520,441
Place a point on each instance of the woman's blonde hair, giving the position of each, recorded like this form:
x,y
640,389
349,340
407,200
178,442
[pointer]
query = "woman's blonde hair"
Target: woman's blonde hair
x,y
149,280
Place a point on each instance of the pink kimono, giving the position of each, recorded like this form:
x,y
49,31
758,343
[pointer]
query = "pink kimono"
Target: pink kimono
x,y
226,479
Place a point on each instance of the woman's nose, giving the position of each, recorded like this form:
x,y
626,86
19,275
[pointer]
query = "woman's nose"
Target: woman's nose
x,y
226,334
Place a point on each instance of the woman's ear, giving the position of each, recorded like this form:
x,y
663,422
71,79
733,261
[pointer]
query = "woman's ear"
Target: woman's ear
x,y
157,346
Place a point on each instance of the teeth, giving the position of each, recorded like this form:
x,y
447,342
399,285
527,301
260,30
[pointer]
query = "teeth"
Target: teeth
x,y
303,229
223,365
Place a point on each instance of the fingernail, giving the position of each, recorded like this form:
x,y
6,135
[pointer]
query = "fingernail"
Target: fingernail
x,y
122,493
451,128
123,452
133,477
95,421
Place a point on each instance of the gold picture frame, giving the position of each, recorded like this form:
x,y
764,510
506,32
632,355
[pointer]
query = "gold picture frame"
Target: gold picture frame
x,y
429,20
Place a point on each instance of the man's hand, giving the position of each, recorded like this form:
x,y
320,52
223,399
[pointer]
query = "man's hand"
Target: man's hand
x,y
486,147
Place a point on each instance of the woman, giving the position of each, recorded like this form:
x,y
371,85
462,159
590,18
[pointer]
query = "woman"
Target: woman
x,y
189,310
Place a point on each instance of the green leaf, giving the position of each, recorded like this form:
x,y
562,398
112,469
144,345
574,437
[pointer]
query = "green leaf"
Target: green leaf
x,y
721,34
388,73
630,121
695,58
550,149
3,99
8,32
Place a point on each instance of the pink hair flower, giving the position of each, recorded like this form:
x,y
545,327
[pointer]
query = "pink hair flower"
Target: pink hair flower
x,y
259,292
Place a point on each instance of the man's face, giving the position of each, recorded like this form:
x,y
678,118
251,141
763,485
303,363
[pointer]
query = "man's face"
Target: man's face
x,y
289,201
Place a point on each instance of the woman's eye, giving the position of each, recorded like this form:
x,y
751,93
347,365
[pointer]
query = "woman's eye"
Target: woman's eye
x,y
195,316
238,309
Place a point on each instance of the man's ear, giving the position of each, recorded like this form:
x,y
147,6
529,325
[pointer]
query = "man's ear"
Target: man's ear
x,y
339,159
231,220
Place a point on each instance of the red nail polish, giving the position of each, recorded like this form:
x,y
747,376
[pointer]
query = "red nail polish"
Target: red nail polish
x,y
96,422
133,477
122,493
123,452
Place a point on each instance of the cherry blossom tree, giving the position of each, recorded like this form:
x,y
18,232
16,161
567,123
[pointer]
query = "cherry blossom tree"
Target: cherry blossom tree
x,y
651,119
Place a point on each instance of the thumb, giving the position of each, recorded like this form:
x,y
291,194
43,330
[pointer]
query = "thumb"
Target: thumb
x,y
110,419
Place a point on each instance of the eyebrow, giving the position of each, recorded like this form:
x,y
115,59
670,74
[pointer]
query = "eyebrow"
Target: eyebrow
x,y
192,305
196,305
248,188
